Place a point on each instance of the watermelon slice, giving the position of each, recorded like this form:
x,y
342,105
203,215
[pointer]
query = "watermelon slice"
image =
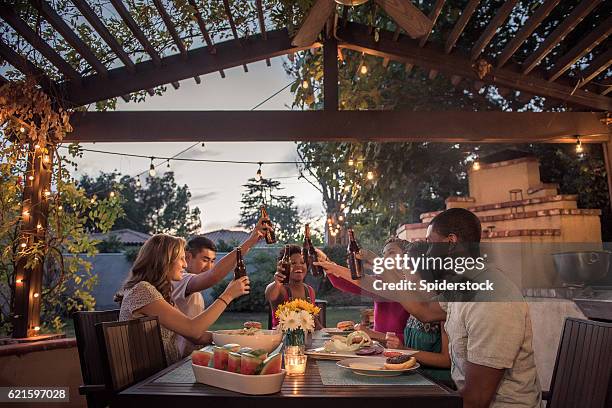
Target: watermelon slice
x,y
272,364
220,358
249,364
261,353
202,357
232,347
245,350
233,362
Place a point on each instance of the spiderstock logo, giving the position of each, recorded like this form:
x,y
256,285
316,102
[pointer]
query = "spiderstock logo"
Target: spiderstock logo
x,y
412,264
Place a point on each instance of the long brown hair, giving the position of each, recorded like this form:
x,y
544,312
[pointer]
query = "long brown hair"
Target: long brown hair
x,y
153,264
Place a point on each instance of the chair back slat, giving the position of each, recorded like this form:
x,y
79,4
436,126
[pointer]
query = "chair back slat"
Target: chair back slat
x,y
133,350
87,343
583,370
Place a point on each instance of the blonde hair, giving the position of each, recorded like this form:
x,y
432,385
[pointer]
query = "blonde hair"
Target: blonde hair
x,y
153,264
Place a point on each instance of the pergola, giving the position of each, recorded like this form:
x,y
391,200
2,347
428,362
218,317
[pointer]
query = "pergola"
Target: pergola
x,y
328,26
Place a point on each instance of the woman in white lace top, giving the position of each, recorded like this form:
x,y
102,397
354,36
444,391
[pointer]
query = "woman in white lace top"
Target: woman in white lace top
x,y
146,292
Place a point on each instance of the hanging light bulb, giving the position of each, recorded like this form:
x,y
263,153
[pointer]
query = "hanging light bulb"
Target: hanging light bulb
x,y
23,245
46,158
579,148
22,129
47,193
18,281
168,164
37,328
25,213
341,218
31,178
258,175
476,166
60,208
342,206
39,226
347,188
351,162
370,175
111,194
93,200
203,146
152,168
36,295
305,84
37,146
364,69
138,183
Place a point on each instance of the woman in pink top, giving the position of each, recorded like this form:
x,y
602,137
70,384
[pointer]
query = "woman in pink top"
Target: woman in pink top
x,y
388,316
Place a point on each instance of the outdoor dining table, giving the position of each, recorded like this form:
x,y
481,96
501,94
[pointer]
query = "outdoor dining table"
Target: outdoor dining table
x,y
176,386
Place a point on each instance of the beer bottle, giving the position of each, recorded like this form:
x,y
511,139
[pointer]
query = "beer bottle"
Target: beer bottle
x,y
310,254
240,269
286,265
270,235
355,264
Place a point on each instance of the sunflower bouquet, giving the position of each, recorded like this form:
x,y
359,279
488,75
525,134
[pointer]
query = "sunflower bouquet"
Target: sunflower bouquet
x,y
296,317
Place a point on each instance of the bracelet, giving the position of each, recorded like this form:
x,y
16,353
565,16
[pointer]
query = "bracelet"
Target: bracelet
x,y
224,301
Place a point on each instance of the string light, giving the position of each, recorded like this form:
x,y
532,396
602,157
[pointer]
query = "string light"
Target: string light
x,y
23,245
47,193
18,281
26,213
46,158
111,194
340,218
138,183
364,69
93,200
370,175
31,178
36,295
37,328
168,165
36,146
39,226
152,168
305,84
579,148
22,129
347,188
351,162
342,206
258,175
476,166
60,208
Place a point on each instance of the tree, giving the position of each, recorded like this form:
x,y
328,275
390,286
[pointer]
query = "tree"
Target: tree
x,y
281,208
159,205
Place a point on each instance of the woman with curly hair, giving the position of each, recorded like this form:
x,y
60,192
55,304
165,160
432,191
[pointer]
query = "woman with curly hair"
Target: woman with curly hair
x,y
147,292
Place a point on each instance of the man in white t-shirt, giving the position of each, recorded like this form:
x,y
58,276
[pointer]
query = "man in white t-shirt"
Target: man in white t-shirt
x,y
202,273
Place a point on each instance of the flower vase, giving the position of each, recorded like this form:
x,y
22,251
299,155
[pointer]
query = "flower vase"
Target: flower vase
x,y
295,343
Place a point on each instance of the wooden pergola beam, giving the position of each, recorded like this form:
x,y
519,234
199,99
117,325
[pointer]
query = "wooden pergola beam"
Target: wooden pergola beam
x,y
525,31
135,29
262,24
430,57
596,67
584,46
20,26
202,25
485,38
230,18
460,25
174,68
26,67
330,75
103,32
433,16
554,38
170,27
381,126
70,36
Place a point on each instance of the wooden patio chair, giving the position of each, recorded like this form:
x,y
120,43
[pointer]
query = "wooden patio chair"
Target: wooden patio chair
x,y
582,374
89,355
131,350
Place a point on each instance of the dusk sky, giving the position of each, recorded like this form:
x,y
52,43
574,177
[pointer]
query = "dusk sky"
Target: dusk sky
x,y
215,188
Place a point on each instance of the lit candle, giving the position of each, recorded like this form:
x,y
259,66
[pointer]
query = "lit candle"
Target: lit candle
x,y
295,364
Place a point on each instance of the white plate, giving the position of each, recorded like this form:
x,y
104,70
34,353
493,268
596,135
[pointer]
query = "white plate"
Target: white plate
x,y
321,354
245,384
372,366
263,339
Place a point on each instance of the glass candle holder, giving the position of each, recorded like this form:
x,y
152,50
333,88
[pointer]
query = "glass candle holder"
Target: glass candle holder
x,y
295,364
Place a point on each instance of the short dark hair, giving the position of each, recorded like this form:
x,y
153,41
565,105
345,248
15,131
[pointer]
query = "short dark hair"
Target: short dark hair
x,y
198,243
460,222
293,249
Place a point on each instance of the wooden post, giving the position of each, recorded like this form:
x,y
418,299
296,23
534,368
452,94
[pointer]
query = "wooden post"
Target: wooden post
x,y
607,150
35,209
330,75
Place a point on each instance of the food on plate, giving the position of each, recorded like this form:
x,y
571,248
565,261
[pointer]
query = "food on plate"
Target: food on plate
x,y
272,364
390,353
220,357
370,351
244,350
352,342
345,325
250,364
203,357
252,325
400,362
233,362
